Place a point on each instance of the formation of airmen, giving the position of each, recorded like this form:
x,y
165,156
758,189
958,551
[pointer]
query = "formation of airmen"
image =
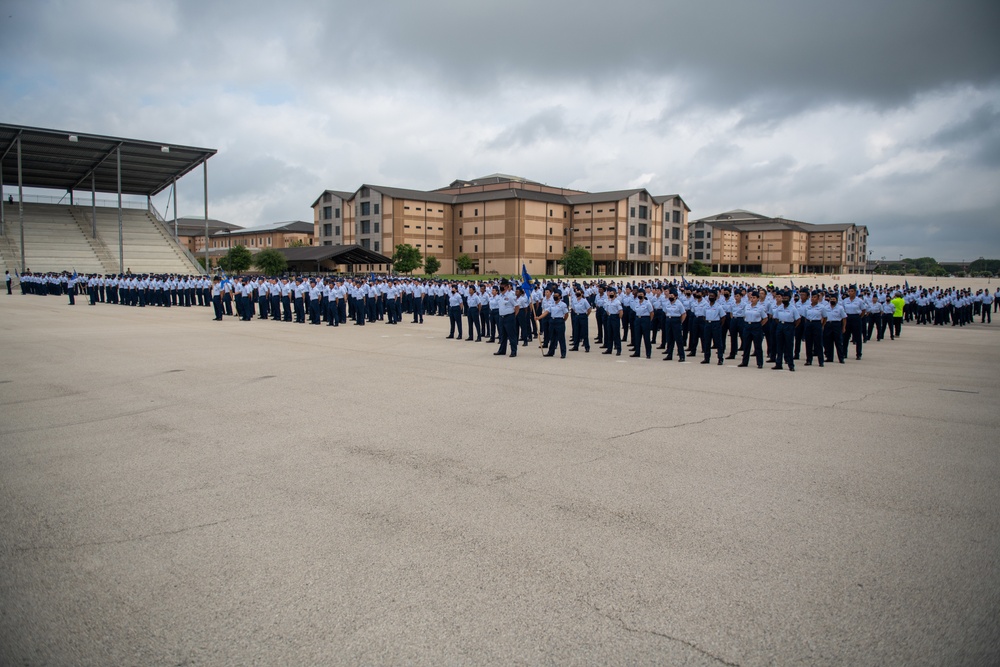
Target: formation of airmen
x,y
732,320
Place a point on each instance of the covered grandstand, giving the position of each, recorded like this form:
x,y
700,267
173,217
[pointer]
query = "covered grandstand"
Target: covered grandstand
x,y
95,235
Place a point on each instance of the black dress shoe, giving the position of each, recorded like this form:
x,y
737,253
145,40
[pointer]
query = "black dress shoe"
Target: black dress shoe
x,y
791,369
742,365
549,354
759,366
499,354
776,368
634,355
720,362
808,363
449,336
618,354
705,361
841,361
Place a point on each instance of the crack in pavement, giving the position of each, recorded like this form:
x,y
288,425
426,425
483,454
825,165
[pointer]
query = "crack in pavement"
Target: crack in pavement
x,y
87,421
137,538
679,640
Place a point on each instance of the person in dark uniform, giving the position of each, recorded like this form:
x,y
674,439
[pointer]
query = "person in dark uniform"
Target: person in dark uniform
x,y
754,316
217,297
812,333
787,317
581,307
455,312
557,313
834,329
674,315
507,311
642,313
613,324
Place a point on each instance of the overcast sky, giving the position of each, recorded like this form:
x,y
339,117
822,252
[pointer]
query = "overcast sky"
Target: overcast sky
x,y
882,113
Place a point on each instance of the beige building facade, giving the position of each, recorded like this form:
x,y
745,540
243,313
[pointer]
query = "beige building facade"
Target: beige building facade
x,y
744,242
502,222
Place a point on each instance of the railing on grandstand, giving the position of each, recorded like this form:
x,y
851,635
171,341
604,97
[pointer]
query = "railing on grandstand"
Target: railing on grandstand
x,y
78,201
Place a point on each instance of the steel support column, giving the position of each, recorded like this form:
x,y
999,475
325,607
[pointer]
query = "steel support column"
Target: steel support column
x,y
93,206
121,235
204,166
20,201
175,208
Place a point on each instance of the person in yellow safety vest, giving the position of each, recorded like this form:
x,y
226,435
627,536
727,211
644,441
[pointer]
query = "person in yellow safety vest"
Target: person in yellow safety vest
x,y
897,316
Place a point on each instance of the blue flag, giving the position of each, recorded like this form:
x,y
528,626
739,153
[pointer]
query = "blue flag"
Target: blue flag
x,y
74,274
906,284
526,280
792,283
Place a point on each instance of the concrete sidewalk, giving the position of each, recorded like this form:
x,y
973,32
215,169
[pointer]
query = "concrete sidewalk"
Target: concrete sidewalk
x,y
180,491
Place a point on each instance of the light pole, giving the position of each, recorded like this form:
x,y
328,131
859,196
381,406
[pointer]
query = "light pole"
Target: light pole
x,y
871,267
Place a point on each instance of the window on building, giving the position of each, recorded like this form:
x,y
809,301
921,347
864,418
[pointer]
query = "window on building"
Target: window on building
x,y
643,229
699,234
677,216
376,213
328,229
699,255
375,248
366,208
643,196
550,213
327,197
327,242
565,214
366,244
475,248
676,233
631,212
376,228
675,250
327,212
336,230
461,231
642,247
643,212
550,230
475,212
550,248
460,213
631,230
631,248
600,210
365,192
366,227
699,245
475,230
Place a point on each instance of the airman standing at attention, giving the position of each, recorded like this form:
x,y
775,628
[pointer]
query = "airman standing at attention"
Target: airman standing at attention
x,y
642,311
613,323
834,328
507,311
217,297
673,332
854,306
812,334
455,312
472,307
787,318
581,307
556,313
754,317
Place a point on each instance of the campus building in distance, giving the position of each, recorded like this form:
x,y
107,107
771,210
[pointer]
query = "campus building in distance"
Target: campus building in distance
x,y
744,242
502,222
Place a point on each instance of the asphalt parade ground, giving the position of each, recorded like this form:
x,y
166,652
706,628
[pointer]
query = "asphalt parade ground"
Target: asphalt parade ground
x,y
178,491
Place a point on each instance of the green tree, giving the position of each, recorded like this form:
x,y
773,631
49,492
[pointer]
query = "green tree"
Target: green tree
x,y
297,243
700,269
577,261
237,260
270,262
406,258
431,265
464,263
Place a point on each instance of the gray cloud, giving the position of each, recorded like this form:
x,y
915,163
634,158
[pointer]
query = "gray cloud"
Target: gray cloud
x,y
546,124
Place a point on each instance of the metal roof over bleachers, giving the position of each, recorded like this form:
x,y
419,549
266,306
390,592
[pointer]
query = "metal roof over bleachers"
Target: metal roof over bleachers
x,y
69,161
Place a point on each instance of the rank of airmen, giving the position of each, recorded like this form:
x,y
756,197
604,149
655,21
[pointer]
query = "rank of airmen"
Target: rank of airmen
x,y
733,321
